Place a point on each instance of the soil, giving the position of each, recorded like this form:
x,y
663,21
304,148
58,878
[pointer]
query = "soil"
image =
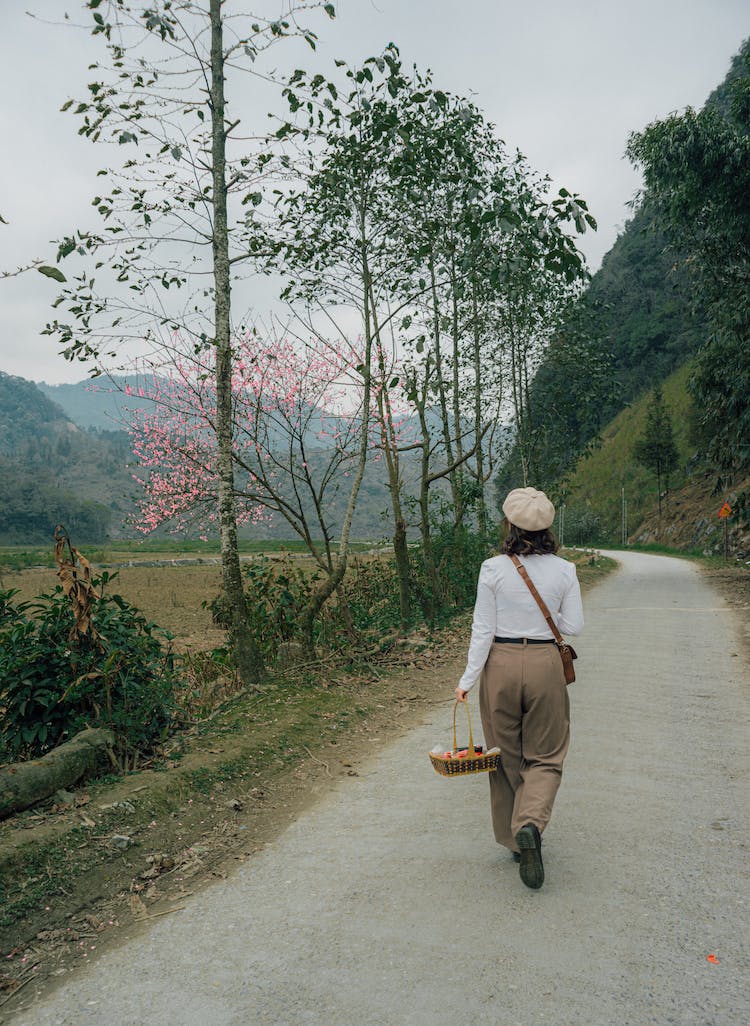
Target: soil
x,y
89,868
689,519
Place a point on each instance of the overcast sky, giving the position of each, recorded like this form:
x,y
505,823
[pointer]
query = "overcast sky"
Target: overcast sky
x,y
563,82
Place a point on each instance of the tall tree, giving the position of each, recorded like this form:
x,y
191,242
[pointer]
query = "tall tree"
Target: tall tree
x,y
170,213
413,215
656,448
339,230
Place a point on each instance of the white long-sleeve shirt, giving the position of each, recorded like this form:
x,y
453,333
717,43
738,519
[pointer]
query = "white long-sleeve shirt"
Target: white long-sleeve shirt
x,y
505,607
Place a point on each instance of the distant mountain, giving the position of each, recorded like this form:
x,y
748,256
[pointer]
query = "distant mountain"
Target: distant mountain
x,y
26,413
100,403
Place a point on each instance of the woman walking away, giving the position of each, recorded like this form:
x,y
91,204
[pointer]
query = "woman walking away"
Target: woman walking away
x,y
523,697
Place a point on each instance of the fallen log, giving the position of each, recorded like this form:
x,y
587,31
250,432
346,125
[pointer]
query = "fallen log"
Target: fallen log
x,y
23,784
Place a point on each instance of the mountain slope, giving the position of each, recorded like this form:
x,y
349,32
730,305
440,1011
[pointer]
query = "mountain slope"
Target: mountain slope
x,y
54,472
594,490
100,403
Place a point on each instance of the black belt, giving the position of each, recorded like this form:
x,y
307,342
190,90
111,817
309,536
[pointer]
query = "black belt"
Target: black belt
x,y
525,641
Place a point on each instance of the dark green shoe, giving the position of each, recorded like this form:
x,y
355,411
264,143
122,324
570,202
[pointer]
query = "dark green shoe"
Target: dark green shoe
x,y
531,867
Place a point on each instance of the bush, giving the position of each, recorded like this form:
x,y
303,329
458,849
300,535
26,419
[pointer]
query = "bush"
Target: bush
x,y
52,687
366,606
583,526
458,555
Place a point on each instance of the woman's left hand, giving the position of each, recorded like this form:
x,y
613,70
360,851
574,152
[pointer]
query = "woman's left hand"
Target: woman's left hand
x,y
460,695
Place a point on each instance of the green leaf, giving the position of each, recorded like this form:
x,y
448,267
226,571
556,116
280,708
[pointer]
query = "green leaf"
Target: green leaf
x,y
52,272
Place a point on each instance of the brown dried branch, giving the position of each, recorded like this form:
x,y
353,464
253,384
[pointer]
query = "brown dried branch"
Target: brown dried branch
x,y
74,571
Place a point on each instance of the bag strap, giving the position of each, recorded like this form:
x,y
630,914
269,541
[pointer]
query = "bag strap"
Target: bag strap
x,y
539,600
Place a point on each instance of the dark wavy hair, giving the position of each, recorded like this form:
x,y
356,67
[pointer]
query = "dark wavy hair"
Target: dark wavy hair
x,y
517,542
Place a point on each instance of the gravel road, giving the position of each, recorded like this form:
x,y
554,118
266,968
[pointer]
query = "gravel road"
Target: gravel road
x,y
389,904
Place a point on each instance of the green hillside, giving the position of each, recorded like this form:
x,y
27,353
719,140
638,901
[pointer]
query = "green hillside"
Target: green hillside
x,y
593,492
53,472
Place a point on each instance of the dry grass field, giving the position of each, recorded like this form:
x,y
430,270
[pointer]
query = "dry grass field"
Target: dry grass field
x,y
171,596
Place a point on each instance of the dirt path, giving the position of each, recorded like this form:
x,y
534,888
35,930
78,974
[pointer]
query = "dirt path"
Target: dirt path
x,y
389,904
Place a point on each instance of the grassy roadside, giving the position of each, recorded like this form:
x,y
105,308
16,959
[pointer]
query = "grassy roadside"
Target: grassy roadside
x,y
82,871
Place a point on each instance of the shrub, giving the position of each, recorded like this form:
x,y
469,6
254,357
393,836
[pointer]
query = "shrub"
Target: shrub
x,y
458,555
51,686
366,606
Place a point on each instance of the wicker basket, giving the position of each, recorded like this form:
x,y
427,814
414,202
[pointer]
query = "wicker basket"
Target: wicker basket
x,y
471,762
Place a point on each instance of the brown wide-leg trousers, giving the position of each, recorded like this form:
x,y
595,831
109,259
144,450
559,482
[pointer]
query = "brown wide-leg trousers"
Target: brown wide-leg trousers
x,y
525,711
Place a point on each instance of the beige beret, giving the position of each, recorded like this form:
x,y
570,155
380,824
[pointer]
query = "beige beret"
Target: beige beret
x,y
529,509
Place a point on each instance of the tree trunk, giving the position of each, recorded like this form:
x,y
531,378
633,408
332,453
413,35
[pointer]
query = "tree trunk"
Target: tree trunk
x,y
23,784
318,599
658,492
389,442
458,511
247,654
441,386
431,597
403,569
481,504
337,570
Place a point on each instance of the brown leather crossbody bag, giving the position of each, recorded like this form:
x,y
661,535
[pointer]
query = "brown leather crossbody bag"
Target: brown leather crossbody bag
x,y
567,652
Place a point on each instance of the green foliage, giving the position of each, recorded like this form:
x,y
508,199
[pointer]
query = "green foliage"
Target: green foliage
x,y
458,555
592,492
33,503
572,389
643,311
53,472
279,591
52,686
696,167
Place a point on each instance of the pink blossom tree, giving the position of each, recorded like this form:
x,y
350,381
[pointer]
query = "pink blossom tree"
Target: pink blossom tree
x,y
301,435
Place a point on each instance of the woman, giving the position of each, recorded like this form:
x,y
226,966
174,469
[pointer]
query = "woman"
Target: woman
x,y
523,698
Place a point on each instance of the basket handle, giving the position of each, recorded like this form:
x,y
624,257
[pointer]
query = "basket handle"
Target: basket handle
x,y
471,736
